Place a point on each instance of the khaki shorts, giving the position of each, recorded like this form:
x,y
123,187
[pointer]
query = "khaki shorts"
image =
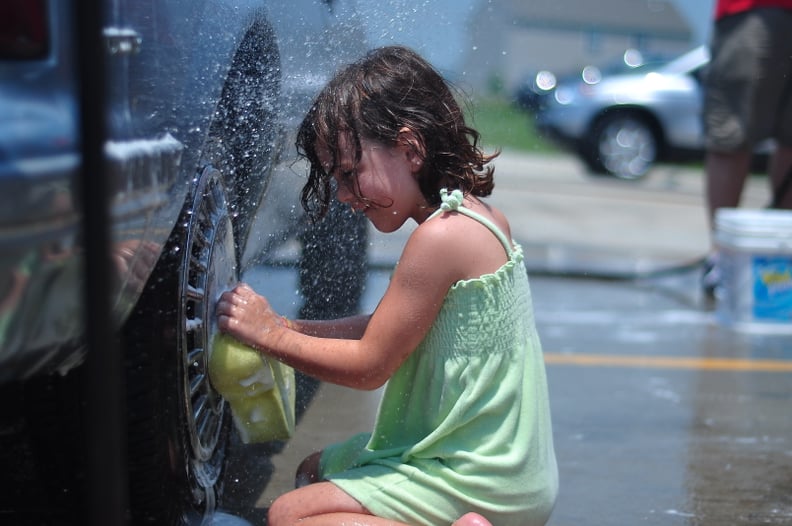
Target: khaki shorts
x,y
748,83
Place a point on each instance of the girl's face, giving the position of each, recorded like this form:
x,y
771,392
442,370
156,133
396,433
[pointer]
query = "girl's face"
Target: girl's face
x,y
383,185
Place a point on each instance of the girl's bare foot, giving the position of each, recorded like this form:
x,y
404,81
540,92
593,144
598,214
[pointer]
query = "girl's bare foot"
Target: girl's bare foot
x,y
471,519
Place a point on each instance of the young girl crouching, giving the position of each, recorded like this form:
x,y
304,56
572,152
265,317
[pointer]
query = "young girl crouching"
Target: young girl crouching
x,y
463,430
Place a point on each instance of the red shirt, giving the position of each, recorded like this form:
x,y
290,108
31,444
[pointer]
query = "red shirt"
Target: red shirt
x,y
731,7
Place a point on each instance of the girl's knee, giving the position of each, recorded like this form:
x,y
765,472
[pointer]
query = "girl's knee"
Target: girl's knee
x,y
315,500
288,509
280,512
471,519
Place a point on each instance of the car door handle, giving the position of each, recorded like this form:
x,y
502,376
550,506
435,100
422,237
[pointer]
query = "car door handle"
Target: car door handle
x,y
122,41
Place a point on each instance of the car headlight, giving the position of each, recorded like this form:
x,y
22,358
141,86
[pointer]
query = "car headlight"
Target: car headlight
x,y
545,80
564,95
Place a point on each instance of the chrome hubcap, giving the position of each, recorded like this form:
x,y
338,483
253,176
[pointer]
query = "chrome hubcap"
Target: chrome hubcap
x,y
208,268
627,148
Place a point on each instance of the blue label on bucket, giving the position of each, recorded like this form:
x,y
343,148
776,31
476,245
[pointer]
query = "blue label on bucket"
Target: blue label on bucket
x,y
772,288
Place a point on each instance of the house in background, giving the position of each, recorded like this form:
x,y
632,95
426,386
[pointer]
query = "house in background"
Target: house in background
x,y
511,39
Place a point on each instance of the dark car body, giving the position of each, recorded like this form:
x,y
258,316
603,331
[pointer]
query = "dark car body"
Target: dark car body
x,y
201,99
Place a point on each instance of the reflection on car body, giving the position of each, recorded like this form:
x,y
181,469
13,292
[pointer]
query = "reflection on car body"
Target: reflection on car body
x,y
200,101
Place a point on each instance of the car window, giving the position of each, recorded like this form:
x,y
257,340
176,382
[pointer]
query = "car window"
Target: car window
x,y
688,62
24,31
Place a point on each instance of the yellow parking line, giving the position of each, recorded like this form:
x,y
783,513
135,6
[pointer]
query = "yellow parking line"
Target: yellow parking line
x,y
669,362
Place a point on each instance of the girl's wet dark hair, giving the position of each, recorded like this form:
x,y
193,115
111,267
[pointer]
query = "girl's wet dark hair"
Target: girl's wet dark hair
x,y
389,89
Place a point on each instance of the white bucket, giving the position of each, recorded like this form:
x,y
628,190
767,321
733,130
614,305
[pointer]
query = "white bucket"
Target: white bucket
x,y
755,262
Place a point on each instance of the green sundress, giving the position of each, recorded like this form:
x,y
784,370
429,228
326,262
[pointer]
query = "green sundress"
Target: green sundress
x,y
464,424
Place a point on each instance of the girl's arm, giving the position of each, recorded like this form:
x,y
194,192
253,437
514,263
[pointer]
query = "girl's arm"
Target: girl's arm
x,y
433,260
350,328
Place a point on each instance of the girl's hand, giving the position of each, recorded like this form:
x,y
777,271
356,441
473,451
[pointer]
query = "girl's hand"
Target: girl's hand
x,y
248,317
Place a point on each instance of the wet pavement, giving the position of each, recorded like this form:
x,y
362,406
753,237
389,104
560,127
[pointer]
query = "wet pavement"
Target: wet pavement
x,y
662,415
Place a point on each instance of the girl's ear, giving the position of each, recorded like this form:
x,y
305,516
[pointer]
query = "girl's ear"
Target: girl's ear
x,y
413,147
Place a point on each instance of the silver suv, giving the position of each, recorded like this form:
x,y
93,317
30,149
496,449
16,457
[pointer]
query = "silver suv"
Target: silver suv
x,y
200,103
624,123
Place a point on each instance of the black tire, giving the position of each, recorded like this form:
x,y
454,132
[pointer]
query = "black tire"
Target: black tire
x,y
332,275
178,425
622,144
246,135
333,264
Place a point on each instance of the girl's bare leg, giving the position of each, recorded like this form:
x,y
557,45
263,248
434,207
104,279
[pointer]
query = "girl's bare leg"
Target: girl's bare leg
x,y
472,519
307,475
322,503
780,164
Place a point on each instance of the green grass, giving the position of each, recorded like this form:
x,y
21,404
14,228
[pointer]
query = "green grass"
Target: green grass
x,y
503,125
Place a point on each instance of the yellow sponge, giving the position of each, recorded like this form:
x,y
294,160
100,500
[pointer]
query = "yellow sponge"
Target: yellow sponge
x,y
260,390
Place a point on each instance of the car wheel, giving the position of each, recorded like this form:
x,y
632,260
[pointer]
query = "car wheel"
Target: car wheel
x,y
621,144
178,425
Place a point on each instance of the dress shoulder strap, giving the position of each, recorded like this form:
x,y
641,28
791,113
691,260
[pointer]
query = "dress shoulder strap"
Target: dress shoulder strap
x,y
453,202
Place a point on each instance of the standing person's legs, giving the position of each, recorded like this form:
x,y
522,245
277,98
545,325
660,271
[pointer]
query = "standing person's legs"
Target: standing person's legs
x,y
774,97
725,179
747,99
780,171
725,115
773,100
745,89
728,92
